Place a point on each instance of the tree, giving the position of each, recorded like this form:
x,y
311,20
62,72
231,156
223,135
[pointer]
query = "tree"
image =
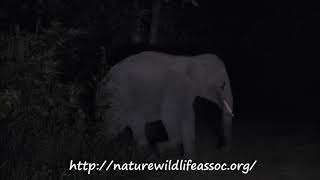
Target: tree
x,y
155,19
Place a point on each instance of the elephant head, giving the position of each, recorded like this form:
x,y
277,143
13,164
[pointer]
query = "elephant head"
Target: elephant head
x,y
211,81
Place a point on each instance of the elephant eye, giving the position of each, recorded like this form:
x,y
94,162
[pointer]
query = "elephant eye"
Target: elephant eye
x,y
223,85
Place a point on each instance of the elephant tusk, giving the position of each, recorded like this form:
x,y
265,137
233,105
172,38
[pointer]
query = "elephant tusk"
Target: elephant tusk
x,y
228,107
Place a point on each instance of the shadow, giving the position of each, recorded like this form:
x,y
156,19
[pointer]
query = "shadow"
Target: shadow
x,y
208,117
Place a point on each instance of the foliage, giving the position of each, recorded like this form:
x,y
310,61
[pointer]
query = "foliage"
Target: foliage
x,y
43,124
40,115
43,121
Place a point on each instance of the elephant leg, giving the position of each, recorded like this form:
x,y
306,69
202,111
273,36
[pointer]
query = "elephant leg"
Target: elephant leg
x,y
171,110
171,121
174,142
188,133
137,123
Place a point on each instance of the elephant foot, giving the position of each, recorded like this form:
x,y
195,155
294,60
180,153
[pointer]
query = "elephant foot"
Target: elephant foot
x,y
193,155
225,148
170,149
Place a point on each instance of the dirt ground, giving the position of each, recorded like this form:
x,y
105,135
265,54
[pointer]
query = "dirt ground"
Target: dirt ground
x,y
284,150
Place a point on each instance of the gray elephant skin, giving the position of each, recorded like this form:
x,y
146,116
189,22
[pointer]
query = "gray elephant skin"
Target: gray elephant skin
x,y
152,86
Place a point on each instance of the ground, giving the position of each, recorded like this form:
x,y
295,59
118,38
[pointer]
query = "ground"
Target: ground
x,y
284,149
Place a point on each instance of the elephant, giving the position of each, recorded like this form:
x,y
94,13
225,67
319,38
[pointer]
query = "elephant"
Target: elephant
x,y
151,86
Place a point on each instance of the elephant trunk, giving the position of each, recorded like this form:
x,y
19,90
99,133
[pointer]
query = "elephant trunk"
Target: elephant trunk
x,y
227,114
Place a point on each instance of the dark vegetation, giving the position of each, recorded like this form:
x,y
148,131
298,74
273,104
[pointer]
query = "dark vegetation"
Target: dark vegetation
x,y
53,54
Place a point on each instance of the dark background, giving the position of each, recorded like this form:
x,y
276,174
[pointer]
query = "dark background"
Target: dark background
x,y
270,49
